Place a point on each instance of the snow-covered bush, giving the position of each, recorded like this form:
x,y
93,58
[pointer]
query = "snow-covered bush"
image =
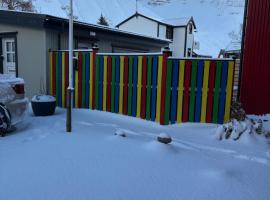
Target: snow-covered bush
x,y
240,124
235,129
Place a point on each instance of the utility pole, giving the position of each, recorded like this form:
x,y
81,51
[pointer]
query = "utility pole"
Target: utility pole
x,y
70,56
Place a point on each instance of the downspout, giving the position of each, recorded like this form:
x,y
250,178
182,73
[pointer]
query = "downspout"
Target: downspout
x,y
242,49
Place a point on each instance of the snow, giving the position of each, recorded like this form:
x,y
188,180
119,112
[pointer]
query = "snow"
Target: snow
x,y
8,78
42,161
43,98
183,21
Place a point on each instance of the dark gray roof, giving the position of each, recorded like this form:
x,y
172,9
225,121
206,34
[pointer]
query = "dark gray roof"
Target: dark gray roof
x,y
43,20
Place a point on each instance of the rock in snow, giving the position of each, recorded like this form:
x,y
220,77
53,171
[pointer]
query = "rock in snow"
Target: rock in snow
x,y
164,138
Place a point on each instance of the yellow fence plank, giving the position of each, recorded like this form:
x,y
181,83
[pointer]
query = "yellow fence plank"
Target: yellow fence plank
x,y
139,87
205,90
180,91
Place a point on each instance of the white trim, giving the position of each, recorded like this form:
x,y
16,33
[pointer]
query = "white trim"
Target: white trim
x,y
74,50
199,58
129,54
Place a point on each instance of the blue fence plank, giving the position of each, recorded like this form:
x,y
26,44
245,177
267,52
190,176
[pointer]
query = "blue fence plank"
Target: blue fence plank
x,y
222,98
154,88
117,79
199,91
134,85
100,93
174,90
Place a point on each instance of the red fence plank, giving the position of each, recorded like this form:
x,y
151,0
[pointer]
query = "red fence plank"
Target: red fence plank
x,y
210,96
109,77
144,80
186,90
125,92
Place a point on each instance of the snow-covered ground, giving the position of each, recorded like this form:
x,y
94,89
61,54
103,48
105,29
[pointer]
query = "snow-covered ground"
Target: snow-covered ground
x,y
42,161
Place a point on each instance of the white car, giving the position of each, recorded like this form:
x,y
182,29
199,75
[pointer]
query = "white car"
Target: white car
x,y
13,103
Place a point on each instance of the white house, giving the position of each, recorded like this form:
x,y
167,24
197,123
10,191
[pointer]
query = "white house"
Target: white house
x,y
179,30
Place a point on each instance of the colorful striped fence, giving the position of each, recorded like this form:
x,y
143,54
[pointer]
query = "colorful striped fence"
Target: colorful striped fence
x,y
149,86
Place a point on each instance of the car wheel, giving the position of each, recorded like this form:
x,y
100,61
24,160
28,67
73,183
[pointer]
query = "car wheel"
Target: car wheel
x,y
5,120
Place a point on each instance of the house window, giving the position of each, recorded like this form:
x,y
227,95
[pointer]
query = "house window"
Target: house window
x,y
169,32
189,52
190,28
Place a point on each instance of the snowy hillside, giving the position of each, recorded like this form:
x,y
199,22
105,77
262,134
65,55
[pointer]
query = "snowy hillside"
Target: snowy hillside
x,y
215,19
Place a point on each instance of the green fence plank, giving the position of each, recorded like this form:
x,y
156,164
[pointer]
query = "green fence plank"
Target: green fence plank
x,y
130,66
148,88
193,90
168,92
217,90
97,80
113,84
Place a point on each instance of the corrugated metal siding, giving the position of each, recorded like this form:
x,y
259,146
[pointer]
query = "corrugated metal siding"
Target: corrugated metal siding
x,y
255,86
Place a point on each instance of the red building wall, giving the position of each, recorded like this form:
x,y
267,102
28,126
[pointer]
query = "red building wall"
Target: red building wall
x,y
255,84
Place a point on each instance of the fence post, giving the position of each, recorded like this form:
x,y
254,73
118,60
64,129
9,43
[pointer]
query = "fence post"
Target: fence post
x,y
165,54
95,50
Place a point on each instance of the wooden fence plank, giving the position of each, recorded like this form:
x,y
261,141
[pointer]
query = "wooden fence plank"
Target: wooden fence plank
x,y
130,72
139,87
193,90
121,84
109,77
125,94
168,93
222,98
199,91
105,68
229,91
83,80
113,85
205,90
174,91
163,89
180,91
148,88
210,95
59,81
154,88
134,85
186,90
100,82
144,79
66,77
63,80
97,69
159,82
217,91
91,81
117,78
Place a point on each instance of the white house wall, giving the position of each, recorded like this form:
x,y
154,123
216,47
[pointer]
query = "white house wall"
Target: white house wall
x,y
190,41
140,25
178,45
31,56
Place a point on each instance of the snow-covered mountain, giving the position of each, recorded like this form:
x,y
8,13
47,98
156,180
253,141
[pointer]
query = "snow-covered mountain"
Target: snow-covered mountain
x,y
215,19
